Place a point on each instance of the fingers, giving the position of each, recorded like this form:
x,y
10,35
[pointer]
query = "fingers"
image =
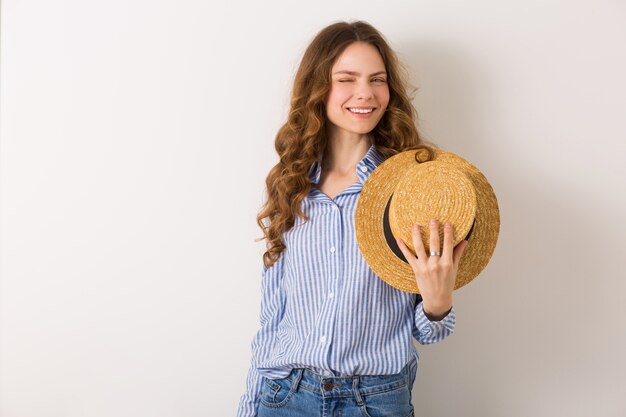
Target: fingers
x,y
418,244
448,235
420,252
458,252
452,255
434,236
407,253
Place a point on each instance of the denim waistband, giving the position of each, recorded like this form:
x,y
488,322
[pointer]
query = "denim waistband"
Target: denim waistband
x,y
346,386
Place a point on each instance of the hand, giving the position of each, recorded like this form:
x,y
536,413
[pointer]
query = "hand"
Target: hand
x,y
435,275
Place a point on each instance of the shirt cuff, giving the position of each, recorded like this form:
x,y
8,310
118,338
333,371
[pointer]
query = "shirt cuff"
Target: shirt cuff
x,y
427,331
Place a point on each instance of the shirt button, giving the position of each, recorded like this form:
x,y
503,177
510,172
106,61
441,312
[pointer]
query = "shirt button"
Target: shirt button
x,y
364,169
331,295
323,339
332,248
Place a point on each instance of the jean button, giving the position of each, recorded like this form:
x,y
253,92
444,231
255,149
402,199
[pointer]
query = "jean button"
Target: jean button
x,y
328,385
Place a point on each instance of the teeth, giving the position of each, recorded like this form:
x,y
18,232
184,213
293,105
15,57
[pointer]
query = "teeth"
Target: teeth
x,y
361,110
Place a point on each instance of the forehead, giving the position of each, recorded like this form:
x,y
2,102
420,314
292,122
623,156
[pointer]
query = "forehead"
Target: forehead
x,y
357,56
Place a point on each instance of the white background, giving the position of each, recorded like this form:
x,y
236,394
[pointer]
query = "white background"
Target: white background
x,y
135,140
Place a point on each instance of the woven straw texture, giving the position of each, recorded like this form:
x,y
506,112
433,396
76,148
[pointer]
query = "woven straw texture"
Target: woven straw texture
x,y
447,188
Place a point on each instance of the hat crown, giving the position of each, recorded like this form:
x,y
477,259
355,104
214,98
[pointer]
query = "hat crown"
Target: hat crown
x,y
432,190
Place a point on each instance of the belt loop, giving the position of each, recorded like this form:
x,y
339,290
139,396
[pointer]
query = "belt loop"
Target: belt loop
x,y
296,380
355,389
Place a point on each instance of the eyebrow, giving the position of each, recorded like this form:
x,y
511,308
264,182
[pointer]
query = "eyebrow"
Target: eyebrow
x,y
356,73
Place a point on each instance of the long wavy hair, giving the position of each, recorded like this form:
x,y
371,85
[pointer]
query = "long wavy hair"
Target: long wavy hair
x,y
303,137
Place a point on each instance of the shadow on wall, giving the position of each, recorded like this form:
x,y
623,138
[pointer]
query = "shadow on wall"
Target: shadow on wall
x,y
530,327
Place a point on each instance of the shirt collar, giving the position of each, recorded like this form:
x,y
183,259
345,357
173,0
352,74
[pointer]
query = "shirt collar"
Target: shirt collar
x,y
364,167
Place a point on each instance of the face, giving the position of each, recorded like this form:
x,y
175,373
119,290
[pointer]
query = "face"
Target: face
x,y
359,81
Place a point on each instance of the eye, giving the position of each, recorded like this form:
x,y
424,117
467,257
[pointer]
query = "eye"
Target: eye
x,y
344,80
380,80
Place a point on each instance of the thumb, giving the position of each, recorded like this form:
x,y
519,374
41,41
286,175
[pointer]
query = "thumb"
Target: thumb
x,y
458,252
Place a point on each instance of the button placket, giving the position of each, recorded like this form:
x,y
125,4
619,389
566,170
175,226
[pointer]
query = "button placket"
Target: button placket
x,y
338,264
333,277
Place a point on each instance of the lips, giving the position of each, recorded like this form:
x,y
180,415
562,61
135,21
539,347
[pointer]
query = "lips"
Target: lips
x,y
362,115
361,110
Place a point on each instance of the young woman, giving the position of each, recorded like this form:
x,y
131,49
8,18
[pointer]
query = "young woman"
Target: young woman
x,y
335,339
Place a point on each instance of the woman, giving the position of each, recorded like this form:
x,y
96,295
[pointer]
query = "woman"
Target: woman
x,y
335,339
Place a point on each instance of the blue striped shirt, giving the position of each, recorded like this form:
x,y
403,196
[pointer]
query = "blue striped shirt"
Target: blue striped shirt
x,y
323,308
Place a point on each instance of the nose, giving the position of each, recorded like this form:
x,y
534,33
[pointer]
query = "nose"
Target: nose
x,y
364,91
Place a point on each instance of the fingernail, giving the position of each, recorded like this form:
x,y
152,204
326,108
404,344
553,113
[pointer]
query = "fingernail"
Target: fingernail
x,y
433,221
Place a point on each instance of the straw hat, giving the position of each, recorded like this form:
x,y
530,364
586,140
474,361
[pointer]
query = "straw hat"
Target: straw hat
x,y
402,191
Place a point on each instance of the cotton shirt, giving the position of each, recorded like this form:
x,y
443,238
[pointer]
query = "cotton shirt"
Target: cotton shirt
x,y
323,308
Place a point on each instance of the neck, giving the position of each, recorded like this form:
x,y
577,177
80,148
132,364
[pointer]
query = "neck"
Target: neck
x,y
343,153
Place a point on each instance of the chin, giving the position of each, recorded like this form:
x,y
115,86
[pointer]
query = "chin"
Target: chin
x,y
364,129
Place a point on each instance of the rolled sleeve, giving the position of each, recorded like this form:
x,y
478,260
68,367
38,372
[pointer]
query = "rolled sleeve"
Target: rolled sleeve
x,y
426,331
272,310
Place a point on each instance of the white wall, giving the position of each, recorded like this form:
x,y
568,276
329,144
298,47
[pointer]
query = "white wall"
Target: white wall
x,y
135,140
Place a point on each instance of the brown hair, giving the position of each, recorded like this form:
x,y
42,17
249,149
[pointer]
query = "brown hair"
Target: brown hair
x,y
303,137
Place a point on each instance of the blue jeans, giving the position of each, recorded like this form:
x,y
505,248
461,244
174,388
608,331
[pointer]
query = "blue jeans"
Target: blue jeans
x,y
304,393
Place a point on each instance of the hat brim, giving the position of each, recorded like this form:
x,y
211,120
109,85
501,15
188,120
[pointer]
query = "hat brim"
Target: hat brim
x,y
378,249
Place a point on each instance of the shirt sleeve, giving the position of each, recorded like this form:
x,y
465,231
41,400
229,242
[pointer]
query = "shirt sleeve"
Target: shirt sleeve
x,y
272,309
426,331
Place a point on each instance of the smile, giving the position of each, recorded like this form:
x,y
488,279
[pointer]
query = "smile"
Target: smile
x,y
361,111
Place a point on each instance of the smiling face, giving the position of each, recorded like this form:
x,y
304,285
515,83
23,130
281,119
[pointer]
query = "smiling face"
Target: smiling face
x,y
359,83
